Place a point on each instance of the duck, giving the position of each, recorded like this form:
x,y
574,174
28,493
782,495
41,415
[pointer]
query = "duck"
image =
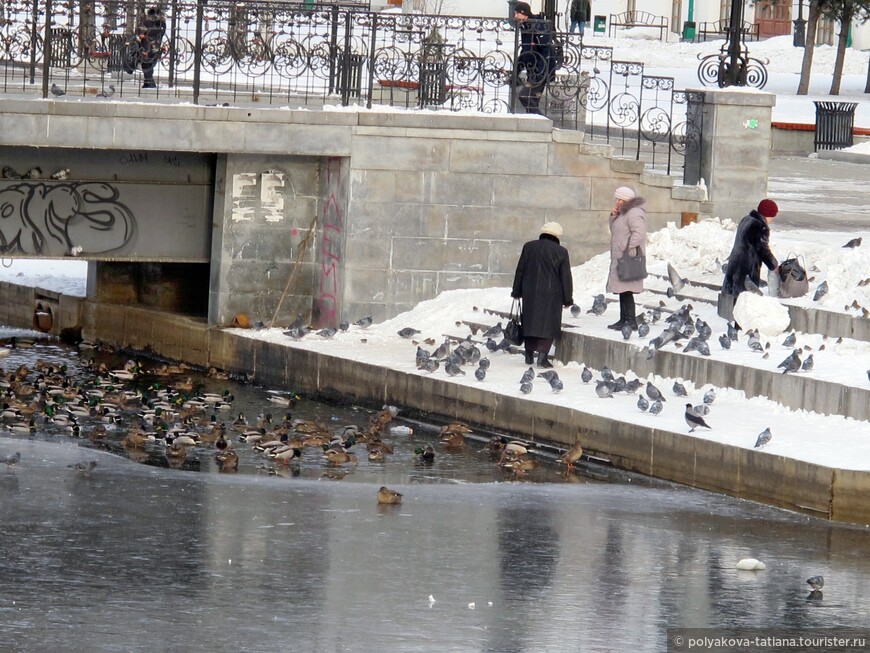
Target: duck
x,y
571,456
453,440
520,466
24,427
134,440
228,461
386,496
335,457
377,456
426,454
286,454
285,401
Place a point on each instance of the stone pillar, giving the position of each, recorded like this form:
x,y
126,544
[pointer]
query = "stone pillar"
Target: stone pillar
x,y
735,150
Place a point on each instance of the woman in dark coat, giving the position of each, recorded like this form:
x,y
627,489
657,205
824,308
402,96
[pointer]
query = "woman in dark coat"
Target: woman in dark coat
x,y
751,249
543,281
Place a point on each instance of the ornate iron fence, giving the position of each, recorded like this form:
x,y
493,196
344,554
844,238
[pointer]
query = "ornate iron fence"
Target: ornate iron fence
x,y
299,54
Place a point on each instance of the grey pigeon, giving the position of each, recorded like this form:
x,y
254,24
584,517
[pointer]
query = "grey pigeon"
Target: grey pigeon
x,y
642,403
679,390
34,173
57,91
549,375
365,322
732,331
9,173
431,365
763,438
491,345
633,386
504,345
408,332
297,333
480,373
855,242
107,94
603,390
725,341
751,286
11,460
656,315
821,291
619,384
702,409
699,345
710,396
576,310
493,331
328,332
816,582
526,387
606,374
599,305
453,370
626,331
344,326
668,335
792,363
484,363
528,375
677,282
422,356
586,375
656,408
60,175
790,340
642,330
703,329
693,420
753,341
84,467
556,385
653,392
808,364
443,350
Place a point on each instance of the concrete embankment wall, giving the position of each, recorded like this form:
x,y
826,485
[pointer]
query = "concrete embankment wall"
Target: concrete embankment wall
x,y
822,491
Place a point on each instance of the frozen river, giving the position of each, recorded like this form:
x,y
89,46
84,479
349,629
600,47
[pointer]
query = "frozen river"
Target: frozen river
x,y
140,557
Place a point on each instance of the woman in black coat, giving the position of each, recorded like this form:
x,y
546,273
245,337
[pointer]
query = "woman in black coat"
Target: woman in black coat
x,y
543,281
751,249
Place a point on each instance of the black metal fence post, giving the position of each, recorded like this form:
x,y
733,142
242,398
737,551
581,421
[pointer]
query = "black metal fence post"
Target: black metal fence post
x,y
46,50
34,28
197,51
173,35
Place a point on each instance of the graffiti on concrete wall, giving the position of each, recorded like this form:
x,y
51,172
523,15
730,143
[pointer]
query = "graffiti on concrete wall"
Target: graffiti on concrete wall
x,y
258,195
63,218
328,275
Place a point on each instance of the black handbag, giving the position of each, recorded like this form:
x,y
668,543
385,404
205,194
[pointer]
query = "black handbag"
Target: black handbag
x,y
793,279
631,268
513,332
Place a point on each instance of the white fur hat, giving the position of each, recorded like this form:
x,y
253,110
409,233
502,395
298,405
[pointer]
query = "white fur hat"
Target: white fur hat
x,y
624,193
552,228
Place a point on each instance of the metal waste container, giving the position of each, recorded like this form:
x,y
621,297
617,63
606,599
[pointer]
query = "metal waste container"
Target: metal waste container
x,y
834,125
599,24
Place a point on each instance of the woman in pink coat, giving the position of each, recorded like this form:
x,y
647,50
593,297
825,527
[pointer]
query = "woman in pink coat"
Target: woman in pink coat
x,y
627,232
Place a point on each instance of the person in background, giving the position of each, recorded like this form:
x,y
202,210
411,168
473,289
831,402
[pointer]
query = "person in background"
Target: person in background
x,y
144,49
751,249
543,281
535,60
581,14
627,233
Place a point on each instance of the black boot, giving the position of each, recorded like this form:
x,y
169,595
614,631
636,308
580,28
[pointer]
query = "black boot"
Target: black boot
x,y
631,322
530,357
543,361
617,326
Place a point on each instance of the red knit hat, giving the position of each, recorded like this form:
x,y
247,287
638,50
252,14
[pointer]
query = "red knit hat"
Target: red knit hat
x,y
768,208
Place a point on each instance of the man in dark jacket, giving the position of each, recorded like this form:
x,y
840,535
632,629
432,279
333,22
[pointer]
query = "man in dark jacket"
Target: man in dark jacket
x,y
536,59
580,14
751,249
144,48
543,281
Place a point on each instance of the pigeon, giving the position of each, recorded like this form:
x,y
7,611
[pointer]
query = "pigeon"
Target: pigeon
x,y
808,364
642,403
57,91
693,419
328,332
491,345
34,173
431,365
407,332
586,375
653,392
699,345
480,373
11,460
575,310
626,331
422,356
528,375
668,335
656,408
453,370
677,282
643,330
763,438
599,305
549,375
751,286
484,363
710,396
107,94
603,390
526,387
84,467
852,244
703,329
606,374
344,326
679,390
790,340
821,291
556,385
702,409
9,173
753,341
297,333
633,386
60,175
656,315
725,341
493,331
816,582
792,363
443,351
364,323
732,331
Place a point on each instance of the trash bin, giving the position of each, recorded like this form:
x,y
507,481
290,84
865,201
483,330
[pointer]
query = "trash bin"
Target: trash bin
x,y
599,25
61,47
834,125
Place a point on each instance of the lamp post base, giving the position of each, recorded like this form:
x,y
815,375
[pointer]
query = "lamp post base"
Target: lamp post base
x,y
800,33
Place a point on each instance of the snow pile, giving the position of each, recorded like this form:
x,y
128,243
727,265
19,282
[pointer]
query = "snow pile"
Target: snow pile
x,y
765,314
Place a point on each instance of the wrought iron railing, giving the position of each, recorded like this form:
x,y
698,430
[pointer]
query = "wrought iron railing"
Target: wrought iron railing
x,y
299,54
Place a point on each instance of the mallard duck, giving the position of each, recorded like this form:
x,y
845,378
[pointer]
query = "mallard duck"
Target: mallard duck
x,y
221,443
453,440
426,454
496,444
381,420
571,456
378,445
388,497
377,456
24,427
134,441
228,461
520,466
284,400
285,455
339,457
176,451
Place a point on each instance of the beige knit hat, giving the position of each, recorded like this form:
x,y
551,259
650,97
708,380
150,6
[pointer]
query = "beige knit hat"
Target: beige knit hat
x,y
552,228
624,193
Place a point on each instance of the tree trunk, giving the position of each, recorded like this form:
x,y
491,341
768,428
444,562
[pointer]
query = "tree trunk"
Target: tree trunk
x,y
845,25
867,85
809,48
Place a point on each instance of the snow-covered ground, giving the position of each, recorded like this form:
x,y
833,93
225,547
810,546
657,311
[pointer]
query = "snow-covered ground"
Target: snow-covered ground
x,y
696,251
